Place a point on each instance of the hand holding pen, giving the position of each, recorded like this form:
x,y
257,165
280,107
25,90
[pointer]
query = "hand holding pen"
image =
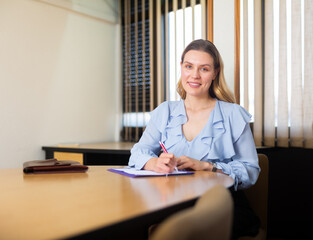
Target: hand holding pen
x,y
165,163
165,151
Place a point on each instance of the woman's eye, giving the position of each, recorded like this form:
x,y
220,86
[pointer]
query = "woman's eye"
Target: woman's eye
x,y
188,66
204,69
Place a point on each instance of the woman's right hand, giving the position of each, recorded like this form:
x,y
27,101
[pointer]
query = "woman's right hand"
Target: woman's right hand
x,y
165,163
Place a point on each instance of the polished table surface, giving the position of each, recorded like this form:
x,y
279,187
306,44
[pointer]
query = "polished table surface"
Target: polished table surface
x,y
54,206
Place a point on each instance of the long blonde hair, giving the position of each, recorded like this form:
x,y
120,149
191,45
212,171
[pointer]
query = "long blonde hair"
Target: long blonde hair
x,y
218,88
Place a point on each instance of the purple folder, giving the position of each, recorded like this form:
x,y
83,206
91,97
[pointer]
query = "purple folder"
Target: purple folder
x,y
132,172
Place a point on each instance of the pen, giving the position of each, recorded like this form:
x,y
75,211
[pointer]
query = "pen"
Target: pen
x,y
162,146
164,150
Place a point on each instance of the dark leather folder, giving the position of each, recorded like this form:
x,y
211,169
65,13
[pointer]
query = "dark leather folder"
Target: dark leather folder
x,y
53,166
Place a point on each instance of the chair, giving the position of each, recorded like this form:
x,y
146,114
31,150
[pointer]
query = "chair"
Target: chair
x,y
210,218
258,198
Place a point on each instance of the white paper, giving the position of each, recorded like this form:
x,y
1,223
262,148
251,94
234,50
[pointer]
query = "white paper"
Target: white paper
x,y
136,172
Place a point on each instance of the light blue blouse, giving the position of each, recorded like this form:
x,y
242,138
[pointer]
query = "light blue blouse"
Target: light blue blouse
x,y
226,139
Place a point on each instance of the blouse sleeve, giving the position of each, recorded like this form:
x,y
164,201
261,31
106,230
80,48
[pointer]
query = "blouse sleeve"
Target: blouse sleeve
x,y
148,145
243,167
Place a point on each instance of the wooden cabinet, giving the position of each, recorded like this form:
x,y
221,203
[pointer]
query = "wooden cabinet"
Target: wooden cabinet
x,y
79,157
107,153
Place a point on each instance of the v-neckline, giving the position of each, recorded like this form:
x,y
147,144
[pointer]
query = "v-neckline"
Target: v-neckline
x,y
205,126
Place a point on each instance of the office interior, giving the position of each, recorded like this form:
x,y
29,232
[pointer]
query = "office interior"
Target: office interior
x,y
60,83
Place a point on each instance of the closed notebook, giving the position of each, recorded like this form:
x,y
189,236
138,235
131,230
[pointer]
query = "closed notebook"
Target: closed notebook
x,y
53,166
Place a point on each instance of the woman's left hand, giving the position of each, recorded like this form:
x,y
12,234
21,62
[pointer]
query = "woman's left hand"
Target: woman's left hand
x,y
184,162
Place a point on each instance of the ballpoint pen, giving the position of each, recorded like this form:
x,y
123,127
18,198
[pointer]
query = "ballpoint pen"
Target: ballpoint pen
x,y
164,150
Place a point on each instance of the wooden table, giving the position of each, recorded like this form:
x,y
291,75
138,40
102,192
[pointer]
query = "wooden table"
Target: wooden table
x,y
98,202
103,153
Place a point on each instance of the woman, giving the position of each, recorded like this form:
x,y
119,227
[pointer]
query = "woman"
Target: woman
x,y
205,130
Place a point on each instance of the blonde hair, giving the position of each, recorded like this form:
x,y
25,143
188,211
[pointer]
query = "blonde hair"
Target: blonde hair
x,y
218,88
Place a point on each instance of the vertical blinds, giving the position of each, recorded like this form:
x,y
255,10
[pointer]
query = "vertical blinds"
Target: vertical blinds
x,y
145,57
288,118
283,78
137,65
182,25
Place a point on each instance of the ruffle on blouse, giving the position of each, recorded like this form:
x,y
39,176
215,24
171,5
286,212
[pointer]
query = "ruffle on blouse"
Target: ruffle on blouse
x,y
241,117
218,138
172,133
234,120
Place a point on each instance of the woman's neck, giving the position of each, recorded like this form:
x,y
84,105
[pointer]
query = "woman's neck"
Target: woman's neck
x,y
196,104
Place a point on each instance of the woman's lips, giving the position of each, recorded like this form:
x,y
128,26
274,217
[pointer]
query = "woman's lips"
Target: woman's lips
x,y
194,84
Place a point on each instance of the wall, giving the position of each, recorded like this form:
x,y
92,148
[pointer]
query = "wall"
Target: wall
x,y
224,36
59,79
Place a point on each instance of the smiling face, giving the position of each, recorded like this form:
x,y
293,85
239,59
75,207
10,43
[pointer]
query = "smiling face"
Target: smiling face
x,y
197,73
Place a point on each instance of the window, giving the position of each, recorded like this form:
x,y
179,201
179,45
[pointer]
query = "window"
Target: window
x,y
184,26
136,63
154,34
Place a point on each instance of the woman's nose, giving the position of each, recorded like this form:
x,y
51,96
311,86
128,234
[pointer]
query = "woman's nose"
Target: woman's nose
x,y
195,73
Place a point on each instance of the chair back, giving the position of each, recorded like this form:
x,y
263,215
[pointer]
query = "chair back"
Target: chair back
x,y
210,218
258,196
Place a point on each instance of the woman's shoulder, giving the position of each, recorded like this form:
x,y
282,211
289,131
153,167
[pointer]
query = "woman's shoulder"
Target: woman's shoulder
x,y
166,109
227,106
235,118
168,106
228,109
171,104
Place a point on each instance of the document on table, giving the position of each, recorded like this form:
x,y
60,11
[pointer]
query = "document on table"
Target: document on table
x,y
132,172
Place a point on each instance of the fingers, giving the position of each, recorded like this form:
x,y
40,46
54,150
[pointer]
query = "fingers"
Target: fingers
x,y
166,163
163,168
167,155
184,166
186,162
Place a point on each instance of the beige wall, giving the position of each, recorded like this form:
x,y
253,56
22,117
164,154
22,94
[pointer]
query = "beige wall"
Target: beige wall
x,y
224,36
59,79
59,76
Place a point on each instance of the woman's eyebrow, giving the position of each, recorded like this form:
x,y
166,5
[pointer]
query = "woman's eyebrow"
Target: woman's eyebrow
x,y
202,65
